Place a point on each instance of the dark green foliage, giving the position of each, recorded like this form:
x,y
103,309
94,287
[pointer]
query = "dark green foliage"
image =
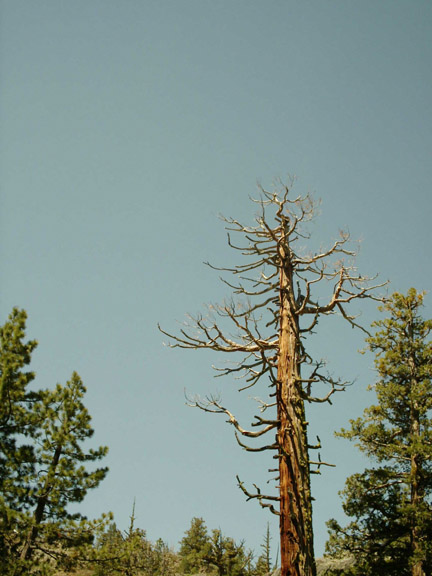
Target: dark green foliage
x,y
43,467
16,459
61,476
16,454
64,425
391,504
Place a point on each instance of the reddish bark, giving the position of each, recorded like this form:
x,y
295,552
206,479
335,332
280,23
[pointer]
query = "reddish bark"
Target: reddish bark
x,y
296,536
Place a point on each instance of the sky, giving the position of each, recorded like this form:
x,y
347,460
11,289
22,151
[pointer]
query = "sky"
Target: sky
x,y
127,128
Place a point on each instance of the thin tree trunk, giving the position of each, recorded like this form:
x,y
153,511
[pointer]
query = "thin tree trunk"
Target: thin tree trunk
x,y
297,556
416,490
416,501
27,550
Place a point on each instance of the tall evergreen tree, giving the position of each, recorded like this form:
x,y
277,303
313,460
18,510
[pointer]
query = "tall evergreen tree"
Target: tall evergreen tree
x,y
283,293
61,475
43,466
16,453
391,504
15,409
195,548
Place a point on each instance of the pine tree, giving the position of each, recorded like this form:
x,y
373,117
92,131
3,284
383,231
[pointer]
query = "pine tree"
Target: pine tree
x,y
195,548
214,553
226,557
61,475
277,308
263,566
130,553
16,453
166,561
391,503
124,553
43,467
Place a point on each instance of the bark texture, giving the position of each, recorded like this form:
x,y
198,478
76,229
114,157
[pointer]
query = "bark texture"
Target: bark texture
x,y
296,535
273,310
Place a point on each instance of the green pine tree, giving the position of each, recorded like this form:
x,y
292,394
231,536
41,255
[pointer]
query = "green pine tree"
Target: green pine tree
x,y
124,553
130,553
214,554
226,557
61,476
195,548
43,466
16,453
166,561
391,504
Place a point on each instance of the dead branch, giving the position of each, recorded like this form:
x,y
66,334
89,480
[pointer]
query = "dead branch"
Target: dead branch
x,y
280,302
320,463
212,338
260,449
212,404
259,496
315,446
264,405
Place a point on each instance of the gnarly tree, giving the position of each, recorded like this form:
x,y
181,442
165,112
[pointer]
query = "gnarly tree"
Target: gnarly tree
x,y
273,313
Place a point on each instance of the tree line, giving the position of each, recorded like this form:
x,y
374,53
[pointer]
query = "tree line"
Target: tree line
x,y
281,295
201,551
43,465
44,469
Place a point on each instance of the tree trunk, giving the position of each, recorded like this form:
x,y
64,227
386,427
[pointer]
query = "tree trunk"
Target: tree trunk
x,y
416,501
296,536
42,501
416,489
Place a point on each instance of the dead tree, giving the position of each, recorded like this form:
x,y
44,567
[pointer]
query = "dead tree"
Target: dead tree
x,y
276,303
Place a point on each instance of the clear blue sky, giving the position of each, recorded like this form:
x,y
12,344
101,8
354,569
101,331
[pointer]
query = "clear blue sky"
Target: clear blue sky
x,y
126,128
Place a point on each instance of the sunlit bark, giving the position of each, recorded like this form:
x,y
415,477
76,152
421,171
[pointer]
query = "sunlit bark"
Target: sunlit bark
x,y
274,311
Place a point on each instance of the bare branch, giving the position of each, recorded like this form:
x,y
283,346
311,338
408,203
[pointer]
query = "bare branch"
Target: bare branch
x,y
264,405
269,326
259,496
260,449
316,446
320,463
212,404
